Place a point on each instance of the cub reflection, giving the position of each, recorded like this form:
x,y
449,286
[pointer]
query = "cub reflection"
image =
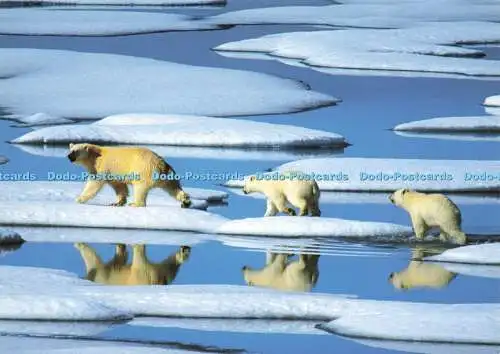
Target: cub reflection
x,y
140,272
282,274
420,274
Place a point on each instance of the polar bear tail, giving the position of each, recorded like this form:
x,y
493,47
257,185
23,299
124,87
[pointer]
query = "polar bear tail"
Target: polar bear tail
x,y
315,190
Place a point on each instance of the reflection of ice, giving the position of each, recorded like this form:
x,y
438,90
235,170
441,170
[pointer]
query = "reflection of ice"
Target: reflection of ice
x,y
449,136
47,328
488,253
492,110
478,124
3,160
473,270
10,239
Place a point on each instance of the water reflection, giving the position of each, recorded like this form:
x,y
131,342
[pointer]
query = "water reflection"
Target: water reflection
x,y
420,274
139,272
282,274
9,247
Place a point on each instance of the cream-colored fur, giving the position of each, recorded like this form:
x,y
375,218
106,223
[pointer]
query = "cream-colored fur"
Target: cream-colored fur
x,y
303,194
125,161
431,210
140,272
282,274
421,274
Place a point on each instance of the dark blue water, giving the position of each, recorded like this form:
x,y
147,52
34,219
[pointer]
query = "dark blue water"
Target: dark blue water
x,y
371,106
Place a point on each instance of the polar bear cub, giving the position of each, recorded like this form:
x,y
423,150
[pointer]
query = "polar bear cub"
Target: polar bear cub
x,y
431,210
288,188
120,166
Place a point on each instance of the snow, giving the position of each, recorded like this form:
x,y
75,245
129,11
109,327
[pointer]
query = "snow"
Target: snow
x,y
429,48
428,348
468,324
387,175
493,101
56,328
392,15
8,237
292,226
38,119
117,84
203,152
487,253
485,124
125,2
40,22
63,191
184,131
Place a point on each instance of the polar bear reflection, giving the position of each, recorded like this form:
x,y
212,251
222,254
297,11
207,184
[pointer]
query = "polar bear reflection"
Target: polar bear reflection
x,y
140,272
420,274
282,274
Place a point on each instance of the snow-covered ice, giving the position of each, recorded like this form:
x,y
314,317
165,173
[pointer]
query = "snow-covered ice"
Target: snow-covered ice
x,y
487,253
39,119
185,131
291,226
429,48
460,136
124,2
117,84
54,328
485,124
8,237
93,23
471,324
493,101
379,15
387,175
205,152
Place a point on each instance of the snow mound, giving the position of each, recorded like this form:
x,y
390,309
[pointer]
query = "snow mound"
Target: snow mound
x,y
38,119
388,175
488,253
291,226
486,124
429,48
450,324
73,79
40,22
184,131
493,101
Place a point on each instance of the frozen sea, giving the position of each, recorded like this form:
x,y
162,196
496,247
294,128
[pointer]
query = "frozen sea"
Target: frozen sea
x,y
372,104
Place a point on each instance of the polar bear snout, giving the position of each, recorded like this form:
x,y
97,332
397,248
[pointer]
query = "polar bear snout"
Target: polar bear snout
x,y
244,268
391,199
72,156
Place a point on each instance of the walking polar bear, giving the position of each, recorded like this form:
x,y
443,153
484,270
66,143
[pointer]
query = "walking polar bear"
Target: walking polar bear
x,y
122,166
299,192
431,210
279,273
140,272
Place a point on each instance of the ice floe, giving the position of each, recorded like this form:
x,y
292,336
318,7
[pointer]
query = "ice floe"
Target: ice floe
x,y
290,226
3,160
54,328
473,270
447,324
185,131
366,15
123,2
8,237
429,48
457,135
40,119
485,124
387,175
93,23
488,253
110,82
493,101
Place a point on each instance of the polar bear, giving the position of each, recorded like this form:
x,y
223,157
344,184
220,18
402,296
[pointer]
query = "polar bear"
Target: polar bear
x,y
421,274
120,166
431,210
140,272
279,273
301,193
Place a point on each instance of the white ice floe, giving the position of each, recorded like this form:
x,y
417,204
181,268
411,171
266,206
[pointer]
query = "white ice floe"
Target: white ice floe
x,y
123,2
493,101
492,110
110,82
426,48
60,191
387,175
193,152
185,131
379,15
447,324
92,23
457,135
381,198
488,253
473,270
9,237
484,124
3,160
38,119
290,226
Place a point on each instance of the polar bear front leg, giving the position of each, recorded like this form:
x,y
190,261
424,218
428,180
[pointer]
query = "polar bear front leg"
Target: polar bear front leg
x,y
271,209
282,206
121,190
419,227
90,191
141,191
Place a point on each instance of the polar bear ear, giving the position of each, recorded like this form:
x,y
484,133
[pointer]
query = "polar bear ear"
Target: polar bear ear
x,y
406,190
71,145
252,178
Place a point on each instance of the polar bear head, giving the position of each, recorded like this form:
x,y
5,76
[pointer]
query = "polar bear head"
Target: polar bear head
x,y
83,152
397,198
398,281
251,185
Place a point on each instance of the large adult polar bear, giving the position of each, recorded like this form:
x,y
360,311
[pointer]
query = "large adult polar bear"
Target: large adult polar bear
x,y
287,188
121,166
431,210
